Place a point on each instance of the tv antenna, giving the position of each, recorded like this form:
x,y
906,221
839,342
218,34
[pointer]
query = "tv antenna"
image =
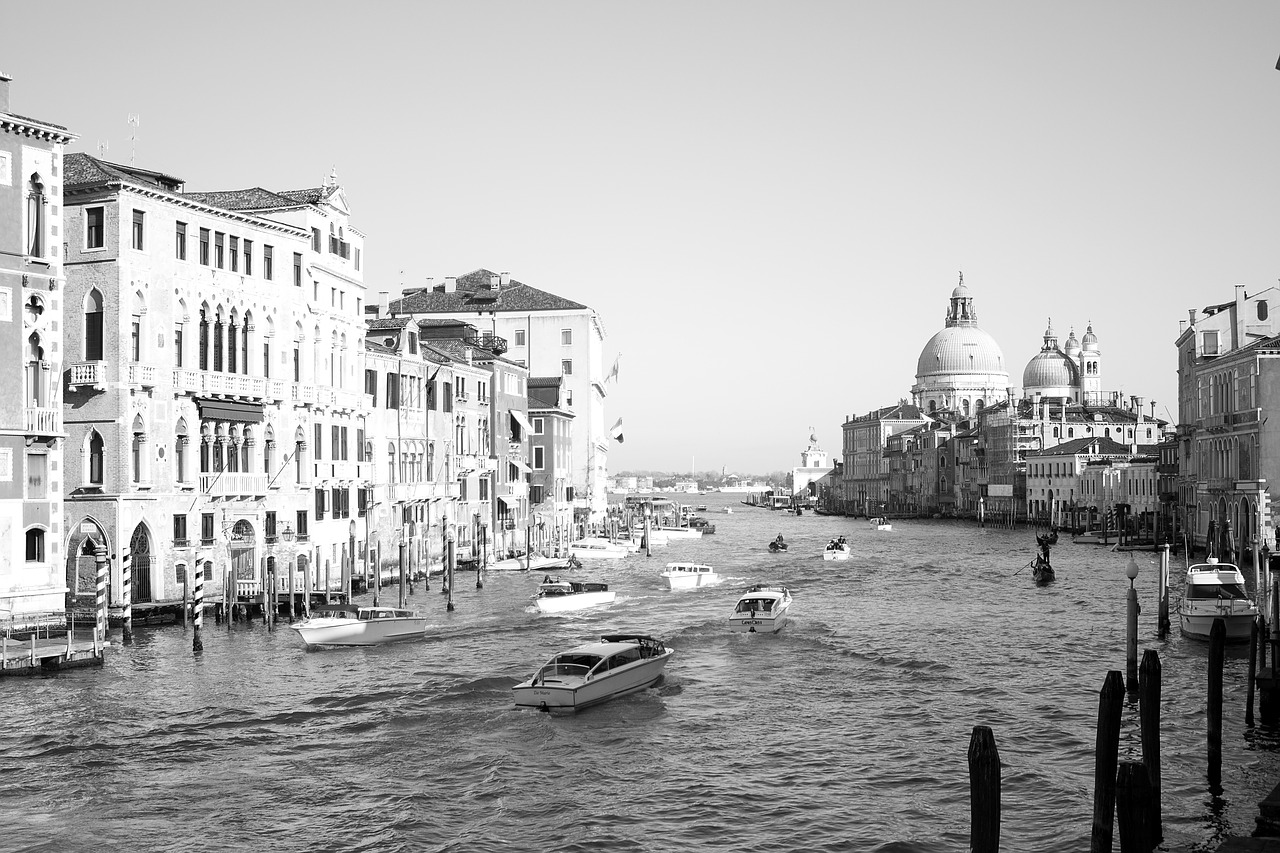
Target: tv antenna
x,y
135,120
102,148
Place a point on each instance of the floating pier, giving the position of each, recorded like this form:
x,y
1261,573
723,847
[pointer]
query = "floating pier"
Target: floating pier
x,y
36,656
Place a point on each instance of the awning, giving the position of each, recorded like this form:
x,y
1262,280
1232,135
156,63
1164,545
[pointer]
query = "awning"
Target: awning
x,y
522,466
523,421
510,500
229,410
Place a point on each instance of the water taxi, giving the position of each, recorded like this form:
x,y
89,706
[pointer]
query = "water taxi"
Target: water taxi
x,y
595,672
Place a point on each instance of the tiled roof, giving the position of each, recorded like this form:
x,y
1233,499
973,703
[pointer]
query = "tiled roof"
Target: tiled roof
x,y
313,195
474,293
386,323
1106,447
545,381
374,346
80,169
254,198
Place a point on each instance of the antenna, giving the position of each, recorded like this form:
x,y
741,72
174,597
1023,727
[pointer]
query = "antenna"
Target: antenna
x,y
102,148
135,120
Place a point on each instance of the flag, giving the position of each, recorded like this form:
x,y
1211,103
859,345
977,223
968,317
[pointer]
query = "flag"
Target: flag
x,y
613,371
616,431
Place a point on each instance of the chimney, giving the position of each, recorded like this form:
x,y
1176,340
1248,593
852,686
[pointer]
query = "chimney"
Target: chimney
x,y
4,92
504,278
494,282
384,300
1191,316
451,284
1241,298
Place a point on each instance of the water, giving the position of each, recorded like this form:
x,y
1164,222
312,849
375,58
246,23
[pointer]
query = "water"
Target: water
x,y
847,731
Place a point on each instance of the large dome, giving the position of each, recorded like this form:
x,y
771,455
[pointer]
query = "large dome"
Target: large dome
x,y
1050,371
960,351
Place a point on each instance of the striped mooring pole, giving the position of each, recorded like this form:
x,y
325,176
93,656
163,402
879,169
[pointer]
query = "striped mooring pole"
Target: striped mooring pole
x,y
197,645
126,586
100,629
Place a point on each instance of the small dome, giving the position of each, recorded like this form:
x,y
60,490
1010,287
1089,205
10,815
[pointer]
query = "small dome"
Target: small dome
x,y
961,292
1072,343
1090,340
1050,372
960,350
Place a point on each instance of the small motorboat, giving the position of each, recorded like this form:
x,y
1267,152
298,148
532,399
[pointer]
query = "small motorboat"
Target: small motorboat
x,y
598,549
1215,590
700,508
837,549
689,575
881,523
589,674
702,526
349,625
538,563
728,510
778,544
761,609
557,596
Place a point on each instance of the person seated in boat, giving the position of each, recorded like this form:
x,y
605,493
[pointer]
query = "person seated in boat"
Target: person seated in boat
x,y
779,539
841,541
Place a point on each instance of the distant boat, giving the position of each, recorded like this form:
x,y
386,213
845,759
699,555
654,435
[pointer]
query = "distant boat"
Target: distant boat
x,y
689,575
1215,590
557,596
761,609
349,625
586,675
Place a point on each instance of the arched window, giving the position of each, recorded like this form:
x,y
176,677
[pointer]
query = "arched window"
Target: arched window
x,y
391,463
93,326
136,332
95,458
204,336
219,331
233,342
35,216
36,393
1262,309
180,441
137,456
35,545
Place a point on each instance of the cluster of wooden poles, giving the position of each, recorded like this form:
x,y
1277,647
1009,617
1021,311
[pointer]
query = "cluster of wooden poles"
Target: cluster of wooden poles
x,y
1126,793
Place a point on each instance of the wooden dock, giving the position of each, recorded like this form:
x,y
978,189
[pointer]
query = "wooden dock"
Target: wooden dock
x,y
50,654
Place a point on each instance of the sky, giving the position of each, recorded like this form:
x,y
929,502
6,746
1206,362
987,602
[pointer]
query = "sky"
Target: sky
x,y
768,203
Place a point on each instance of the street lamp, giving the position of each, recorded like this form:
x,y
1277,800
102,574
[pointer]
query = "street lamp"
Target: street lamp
x,y
1131,637
285,550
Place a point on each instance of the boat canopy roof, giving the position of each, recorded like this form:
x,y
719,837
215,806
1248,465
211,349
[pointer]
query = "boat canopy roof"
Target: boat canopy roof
x,y
335,610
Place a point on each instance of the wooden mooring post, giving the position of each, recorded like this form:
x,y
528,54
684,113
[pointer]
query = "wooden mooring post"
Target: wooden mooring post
x,y
1133,808
100,628
984,791
1253,673
1149,685
126,592
1217,655
1106,757
197,645
1163,625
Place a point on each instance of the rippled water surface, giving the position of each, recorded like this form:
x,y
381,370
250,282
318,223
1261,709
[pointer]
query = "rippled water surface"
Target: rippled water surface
x,y
847,731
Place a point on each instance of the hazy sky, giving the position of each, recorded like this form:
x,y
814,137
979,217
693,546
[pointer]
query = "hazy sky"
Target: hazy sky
x,y
767,202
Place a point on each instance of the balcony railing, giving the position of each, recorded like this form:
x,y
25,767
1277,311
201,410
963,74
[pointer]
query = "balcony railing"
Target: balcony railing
x,y
143,374
42,421
494,343
214,382
88,373
233,484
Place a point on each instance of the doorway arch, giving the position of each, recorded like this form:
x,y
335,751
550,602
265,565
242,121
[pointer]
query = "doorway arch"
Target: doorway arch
x,y
140,562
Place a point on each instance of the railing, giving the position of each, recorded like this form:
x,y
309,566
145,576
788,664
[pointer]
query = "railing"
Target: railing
x,y
88,373
214,382
494,343
304,393
233,484
42,421
142,374
181,543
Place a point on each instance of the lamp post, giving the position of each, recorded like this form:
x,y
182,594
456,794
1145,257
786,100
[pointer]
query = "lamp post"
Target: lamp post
x,y
1131,636
285,550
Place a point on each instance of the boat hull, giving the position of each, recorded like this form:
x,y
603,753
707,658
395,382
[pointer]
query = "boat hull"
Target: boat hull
x,y
691,580
835,554
576,601
1239,625
320,633
759,624
574,694
616,553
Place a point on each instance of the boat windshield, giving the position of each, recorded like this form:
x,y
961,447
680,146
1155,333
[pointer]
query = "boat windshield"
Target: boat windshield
x,y
748,605
1215,590
570,665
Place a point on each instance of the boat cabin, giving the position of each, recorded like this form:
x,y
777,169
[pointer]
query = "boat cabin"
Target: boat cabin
x,y
688,569
613,652
383,613
756,605
1216,590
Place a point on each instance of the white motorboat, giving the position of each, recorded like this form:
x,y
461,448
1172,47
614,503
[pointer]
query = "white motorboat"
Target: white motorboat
x,y
538,563
837,549
881,523
677,532
728,510
761,609
598,549
557,596
689,575
595,672
349,625
1215,590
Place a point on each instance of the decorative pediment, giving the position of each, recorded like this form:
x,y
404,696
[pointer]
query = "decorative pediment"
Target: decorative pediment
x,y
338,201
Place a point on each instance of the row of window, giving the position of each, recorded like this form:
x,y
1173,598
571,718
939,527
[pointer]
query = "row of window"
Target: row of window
x,y
216,248
566,337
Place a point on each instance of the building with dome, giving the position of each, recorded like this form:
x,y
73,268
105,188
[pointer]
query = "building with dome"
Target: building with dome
x,y
961,369
1070,373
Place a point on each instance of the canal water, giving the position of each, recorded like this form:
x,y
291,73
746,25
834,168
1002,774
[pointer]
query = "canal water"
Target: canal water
x,y
847,731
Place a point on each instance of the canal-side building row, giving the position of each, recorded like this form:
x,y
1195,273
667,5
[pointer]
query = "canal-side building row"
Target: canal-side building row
x,y
960,446
32,297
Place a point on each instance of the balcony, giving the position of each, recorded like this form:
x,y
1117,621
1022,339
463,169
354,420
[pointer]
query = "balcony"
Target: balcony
x,y
92,373
233,485
202,382
42,421
143,374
